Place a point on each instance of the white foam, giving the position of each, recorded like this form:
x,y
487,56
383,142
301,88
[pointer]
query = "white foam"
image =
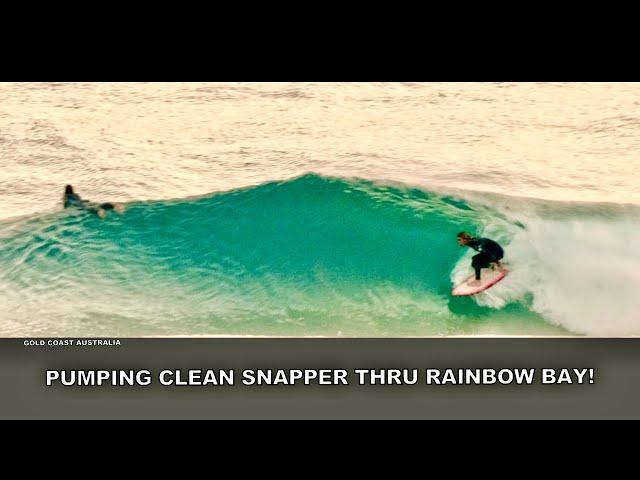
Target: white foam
x,y
582,274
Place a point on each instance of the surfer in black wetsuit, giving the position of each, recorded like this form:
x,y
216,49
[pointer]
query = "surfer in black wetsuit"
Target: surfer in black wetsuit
x,y
490,252
72,199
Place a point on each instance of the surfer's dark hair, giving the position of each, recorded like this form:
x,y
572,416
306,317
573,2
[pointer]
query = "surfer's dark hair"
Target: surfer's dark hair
x,y
68,190
464,235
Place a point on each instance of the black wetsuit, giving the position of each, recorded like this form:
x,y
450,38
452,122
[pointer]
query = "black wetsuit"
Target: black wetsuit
x,y
489,250
74,200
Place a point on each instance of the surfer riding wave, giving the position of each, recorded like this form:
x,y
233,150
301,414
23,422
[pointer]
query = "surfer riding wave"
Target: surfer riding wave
x,y
490,253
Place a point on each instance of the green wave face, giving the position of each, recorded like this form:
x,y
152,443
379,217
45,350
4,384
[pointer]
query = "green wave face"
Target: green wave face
x,y
308,256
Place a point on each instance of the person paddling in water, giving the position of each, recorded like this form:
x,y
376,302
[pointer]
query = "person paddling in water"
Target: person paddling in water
x,y
490,253
72,199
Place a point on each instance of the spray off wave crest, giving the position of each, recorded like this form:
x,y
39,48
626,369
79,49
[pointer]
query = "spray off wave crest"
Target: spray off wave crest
x,y
319,256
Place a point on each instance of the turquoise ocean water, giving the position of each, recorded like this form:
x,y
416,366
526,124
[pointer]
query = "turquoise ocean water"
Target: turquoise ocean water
x,y
318,209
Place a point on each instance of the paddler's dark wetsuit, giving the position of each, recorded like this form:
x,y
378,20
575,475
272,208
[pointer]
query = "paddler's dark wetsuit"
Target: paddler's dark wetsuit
x,y
489,250
72,199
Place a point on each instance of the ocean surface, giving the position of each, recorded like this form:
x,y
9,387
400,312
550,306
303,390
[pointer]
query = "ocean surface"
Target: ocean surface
x,y
326,209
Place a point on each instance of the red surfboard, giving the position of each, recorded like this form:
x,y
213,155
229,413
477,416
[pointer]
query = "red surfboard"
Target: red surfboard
x,y
488,278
